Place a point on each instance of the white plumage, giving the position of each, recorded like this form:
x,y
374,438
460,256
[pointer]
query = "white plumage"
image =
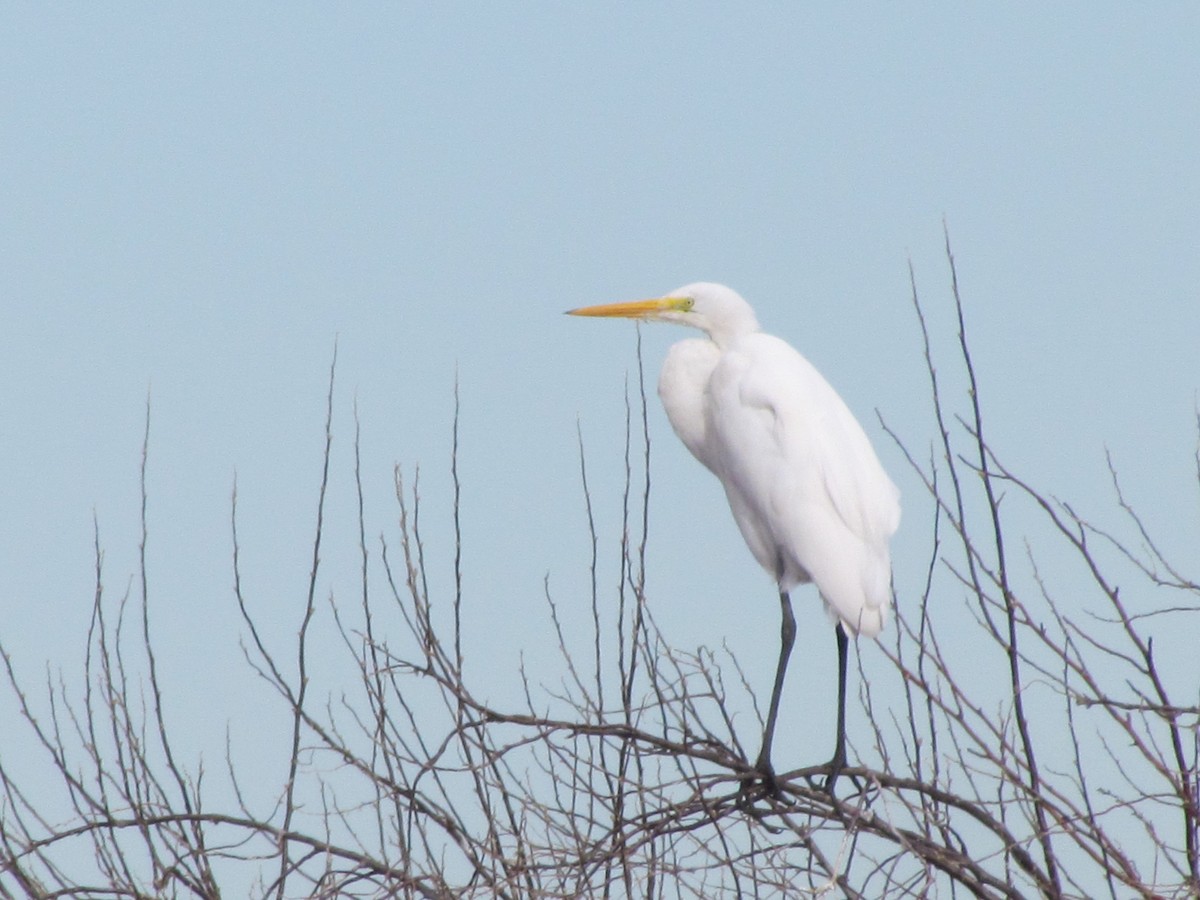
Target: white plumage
x,y
805,486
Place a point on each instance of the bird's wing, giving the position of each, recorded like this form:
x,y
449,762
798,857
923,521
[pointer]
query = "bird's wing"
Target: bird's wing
x,y
809,494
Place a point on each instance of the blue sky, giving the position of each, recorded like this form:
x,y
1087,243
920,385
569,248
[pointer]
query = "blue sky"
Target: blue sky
x,y
198,201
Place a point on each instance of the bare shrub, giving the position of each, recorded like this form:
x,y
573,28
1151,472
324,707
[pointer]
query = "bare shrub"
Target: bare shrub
x,y
1027,740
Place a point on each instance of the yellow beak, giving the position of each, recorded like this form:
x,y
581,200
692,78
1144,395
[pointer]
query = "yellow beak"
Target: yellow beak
x,y
634,309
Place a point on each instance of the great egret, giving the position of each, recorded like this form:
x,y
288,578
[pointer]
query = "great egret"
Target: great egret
x,y
805,486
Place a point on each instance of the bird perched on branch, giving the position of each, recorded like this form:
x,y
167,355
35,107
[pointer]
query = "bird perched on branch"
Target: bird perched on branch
x,y
803,482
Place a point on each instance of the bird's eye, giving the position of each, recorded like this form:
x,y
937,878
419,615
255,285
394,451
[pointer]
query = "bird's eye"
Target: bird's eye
x,y
688,303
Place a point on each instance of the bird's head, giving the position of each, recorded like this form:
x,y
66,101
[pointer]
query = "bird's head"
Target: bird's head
x,y
713,308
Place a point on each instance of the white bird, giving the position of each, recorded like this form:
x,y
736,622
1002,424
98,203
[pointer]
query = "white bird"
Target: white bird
x,y
805,486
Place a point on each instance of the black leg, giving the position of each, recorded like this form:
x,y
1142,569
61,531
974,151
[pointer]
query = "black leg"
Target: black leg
x,y
839,752
787,636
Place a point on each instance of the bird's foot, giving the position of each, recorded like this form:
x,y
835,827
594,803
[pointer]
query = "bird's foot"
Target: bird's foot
x,y
836,765
833,771
761,784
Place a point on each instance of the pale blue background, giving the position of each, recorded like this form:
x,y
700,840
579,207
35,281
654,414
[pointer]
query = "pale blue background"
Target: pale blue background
x,y
198,201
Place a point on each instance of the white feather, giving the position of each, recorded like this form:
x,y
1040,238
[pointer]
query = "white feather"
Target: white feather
x,y
805,486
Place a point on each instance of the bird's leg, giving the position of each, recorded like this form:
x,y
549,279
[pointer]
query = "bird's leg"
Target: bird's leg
x,y
839,751
787,636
